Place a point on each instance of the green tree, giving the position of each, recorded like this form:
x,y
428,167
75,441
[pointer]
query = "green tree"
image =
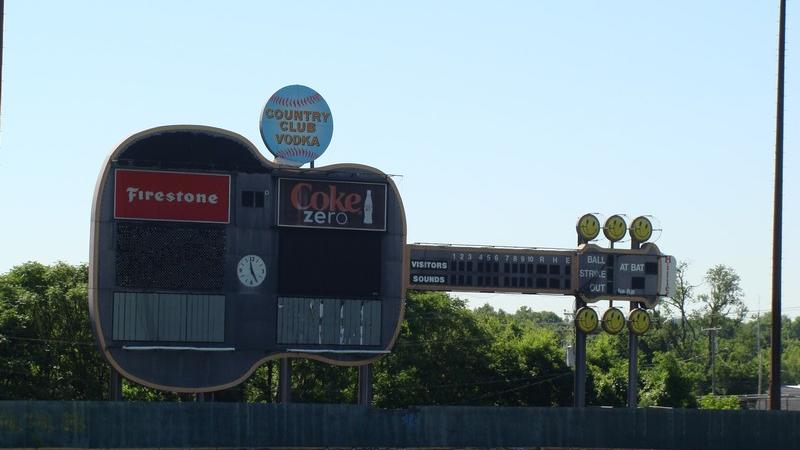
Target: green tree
x,y
528,316
790,362
528,360
445,353
737,357
719,402
724,297
317,382
439,357
46,346
607,369
681,301
138,393
669,382
262,386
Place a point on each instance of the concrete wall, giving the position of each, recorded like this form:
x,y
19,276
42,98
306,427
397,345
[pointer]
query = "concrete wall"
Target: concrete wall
x,y
138,425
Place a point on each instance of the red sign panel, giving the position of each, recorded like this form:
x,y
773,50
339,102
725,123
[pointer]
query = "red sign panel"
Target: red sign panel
x,y
175,196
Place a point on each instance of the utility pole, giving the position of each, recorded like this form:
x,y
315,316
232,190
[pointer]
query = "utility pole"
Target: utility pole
x,y
777,222
758,348
569,344
2,32
712,335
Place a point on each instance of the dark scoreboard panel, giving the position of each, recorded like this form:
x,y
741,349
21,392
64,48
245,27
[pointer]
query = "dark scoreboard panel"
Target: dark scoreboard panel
x,y
612,274
322,263
590,272
208,260
490,269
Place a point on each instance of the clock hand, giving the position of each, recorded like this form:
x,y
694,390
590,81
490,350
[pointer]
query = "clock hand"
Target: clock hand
x,y
253,272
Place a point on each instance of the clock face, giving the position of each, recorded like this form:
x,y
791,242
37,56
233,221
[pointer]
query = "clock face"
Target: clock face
x,y
641,229
615,228
251,270
588,227
586,319
639,321
613,321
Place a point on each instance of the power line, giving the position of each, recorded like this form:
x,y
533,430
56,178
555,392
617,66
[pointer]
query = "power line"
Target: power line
x,y
55,341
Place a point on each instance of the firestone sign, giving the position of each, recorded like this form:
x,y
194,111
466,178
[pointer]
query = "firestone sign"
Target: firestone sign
x,y
331,204
175,196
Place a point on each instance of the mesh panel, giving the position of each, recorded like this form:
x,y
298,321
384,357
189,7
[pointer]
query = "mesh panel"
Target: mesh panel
x,y
168,256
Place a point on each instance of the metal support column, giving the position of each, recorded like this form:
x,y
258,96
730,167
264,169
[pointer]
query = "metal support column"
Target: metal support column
x,y
633,366
114,385
365,385
580,362
633,352
285,381
579,384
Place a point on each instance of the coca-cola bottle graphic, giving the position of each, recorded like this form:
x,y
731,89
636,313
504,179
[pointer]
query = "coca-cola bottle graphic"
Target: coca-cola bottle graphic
x,y
368,208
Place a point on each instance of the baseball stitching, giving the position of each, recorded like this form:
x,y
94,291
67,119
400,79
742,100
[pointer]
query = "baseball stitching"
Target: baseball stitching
x,y
295,152
296,102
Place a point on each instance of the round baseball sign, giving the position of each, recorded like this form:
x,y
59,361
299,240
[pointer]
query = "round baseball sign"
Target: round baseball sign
x,y
296,125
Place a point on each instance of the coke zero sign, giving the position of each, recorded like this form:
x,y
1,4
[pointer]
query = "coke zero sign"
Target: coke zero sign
x,y
331,204
173,196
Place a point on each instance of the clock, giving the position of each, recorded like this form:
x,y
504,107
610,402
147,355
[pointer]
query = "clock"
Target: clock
x,y
586,319
638,321
613,321
614,228
251,270
641,229
588,227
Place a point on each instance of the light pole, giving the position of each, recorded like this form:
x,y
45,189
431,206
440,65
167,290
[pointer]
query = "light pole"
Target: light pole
x,y
777,223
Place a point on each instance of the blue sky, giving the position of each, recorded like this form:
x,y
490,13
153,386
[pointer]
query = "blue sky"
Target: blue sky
x,y
506,121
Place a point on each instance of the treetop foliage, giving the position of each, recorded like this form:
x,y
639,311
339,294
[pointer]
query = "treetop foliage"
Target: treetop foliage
x,y
446,353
